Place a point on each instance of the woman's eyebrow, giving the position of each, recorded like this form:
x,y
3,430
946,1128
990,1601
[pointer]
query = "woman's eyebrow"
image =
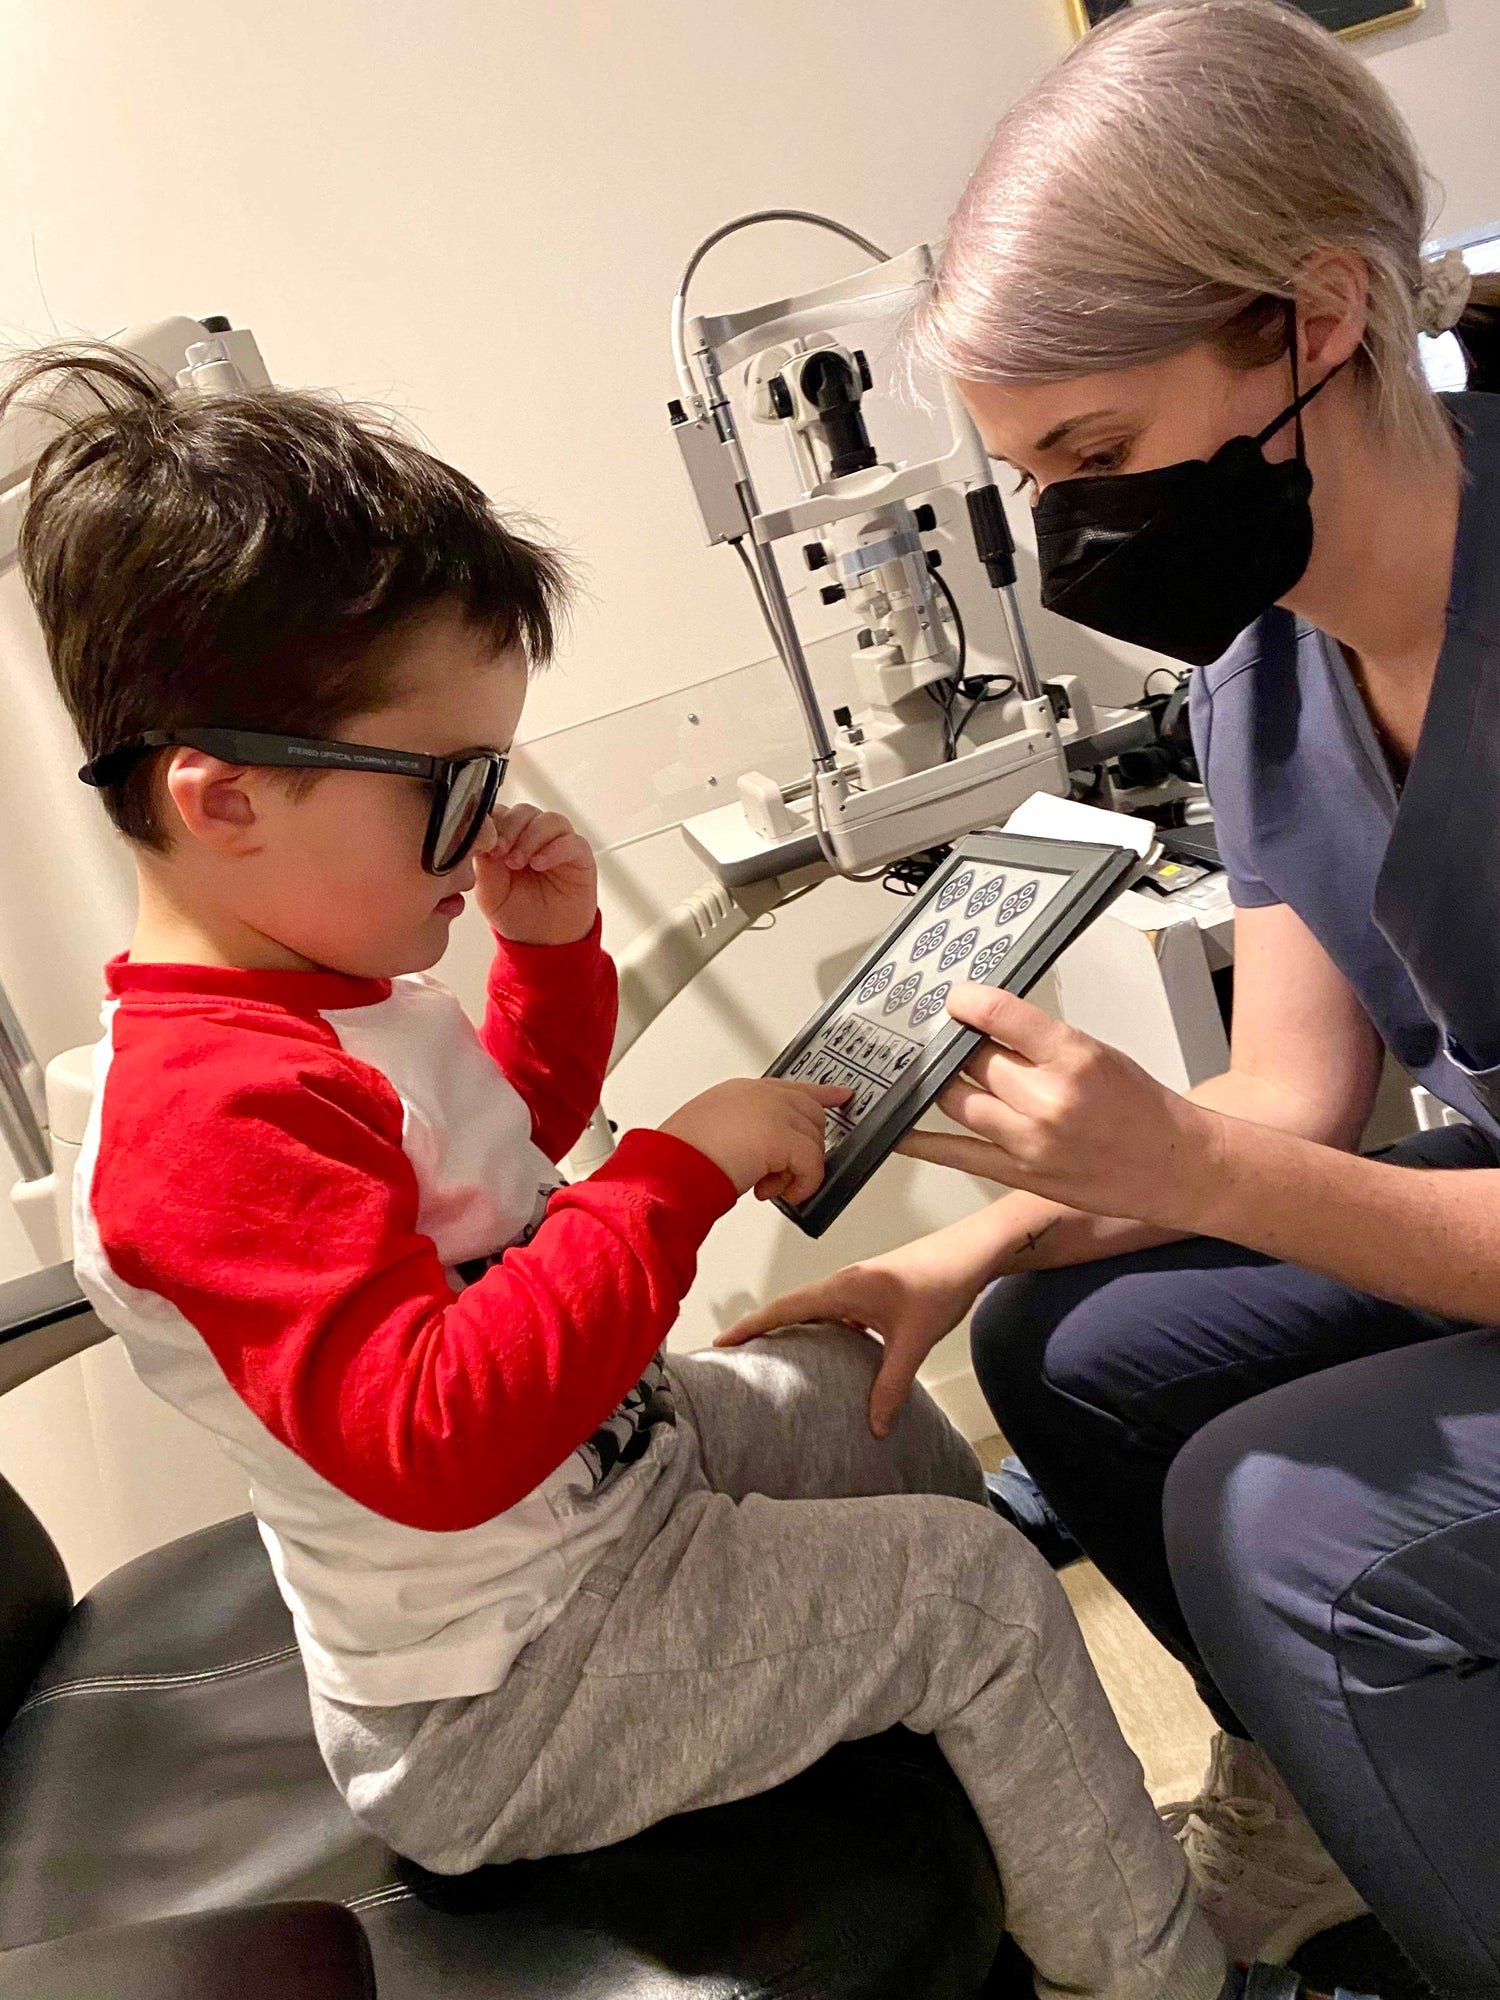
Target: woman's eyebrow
x,y
1069,424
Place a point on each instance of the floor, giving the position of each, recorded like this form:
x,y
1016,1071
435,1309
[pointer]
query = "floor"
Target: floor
x,y
1162,1718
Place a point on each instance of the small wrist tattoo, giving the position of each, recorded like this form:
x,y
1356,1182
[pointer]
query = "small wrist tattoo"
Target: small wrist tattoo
x,y
1032,1237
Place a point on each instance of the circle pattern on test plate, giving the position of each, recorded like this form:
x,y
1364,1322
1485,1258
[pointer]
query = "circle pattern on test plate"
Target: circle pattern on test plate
x,y
958,948
878,981
898,996
955,891
930,1003
929,940
986,894
1018,901
985,961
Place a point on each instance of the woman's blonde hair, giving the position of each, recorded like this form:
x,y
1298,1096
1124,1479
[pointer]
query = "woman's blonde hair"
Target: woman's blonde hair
x,y
1164,184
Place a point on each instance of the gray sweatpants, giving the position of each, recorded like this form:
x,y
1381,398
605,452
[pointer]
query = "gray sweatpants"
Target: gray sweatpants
x,y
792,1582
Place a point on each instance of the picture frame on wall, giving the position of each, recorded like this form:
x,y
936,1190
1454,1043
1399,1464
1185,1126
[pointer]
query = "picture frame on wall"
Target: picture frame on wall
x,y
1344,17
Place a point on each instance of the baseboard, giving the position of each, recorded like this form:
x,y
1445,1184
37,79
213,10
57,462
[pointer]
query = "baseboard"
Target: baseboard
x,y
960,1398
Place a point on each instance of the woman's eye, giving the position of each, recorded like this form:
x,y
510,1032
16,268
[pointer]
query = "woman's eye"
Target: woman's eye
x,y
1025,483
1109,459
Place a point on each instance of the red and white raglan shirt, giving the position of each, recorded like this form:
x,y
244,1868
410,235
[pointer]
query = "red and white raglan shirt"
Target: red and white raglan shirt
x,y
323,1216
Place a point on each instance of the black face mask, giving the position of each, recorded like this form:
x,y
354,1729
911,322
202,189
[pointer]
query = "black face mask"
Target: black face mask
x,y
1181,559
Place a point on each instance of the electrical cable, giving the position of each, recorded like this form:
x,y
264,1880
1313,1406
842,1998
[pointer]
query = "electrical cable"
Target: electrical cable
x,y
958,621
737,543
944,692
976,689
693,398
825,845
767,922
940,693
904,869
1178,677
757,215
910,875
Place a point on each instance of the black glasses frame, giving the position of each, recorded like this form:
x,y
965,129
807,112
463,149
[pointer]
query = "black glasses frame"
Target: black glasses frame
x,y
271,750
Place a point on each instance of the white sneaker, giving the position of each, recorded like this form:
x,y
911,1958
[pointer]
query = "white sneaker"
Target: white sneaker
x,y
1264,1879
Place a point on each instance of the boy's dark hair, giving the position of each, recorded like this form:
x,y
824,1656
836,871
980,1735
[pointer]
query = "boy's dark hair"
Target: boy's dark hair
x,y
227,559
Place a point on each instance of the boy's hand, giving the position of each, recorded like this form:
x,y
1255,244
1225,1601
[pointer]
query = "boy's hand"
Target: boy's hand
x,y
538,883
911,1297
765,1132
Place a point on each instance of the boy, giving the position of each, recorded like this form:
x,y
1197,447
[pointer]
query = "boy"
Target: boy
x,y
320,1208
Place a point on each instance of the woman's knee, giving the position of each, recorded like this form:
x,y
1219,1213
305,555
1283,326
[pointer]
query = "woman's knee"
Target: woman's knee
x,y
1324,1538
1009,1332
1110,1336
1046,1341
1242,1510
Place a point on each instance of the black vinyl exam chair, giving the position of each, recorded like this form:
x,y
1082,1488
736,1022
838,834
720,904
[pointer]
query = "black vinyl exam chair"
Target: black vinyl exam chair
x,y
167,1828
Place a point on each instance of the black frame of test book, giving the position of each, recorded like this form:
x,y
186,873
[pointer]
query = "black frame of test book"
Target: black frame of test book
x,y
1098,875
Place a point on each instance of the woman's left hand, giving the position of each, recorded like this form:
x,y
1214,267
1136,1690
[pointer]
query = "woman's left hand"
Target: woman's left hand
x,y
1064,1116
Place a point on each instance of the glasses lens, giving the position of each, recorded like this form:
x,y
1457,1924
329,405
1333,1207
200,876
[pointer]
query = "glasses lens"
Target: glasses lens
x,y
469,799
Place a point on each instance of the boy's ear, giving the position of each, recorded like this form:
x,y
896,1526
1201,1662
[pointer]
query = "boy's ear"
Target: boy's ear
x,y
214,801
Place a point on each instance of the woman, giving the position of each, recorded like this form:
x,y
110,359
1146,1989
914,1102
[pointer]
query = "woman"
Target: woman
x,y
1255,1373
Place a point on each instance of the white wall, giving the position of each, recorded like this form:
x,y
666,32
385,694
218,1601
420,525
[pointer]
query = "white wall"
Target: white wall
x,y
1444,73
478,211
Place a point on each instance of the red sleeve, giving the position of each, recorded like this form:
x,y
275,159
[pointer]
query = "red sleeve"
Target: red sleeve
x,y
255,1179
549,1022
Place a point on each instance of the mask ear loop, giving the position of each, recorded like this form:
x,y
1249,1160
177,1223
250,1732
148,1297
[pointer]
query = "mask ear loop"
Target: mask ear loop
x,y
1300,397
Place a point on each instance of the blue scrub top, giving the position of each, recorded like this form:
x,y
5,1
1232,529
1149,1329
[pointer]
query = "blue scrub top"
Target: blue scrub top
x,y
1401,888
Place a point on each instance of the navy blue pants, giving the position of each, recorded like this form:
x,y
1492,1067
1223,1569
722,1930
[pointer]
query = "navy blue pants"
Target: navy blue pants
x,y
1297,1486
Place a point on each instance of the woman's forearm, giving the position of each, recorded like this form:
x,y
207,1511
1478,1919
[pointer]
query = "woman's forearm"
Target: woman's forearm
x,y
1031,1233
1426,1238
1027,1232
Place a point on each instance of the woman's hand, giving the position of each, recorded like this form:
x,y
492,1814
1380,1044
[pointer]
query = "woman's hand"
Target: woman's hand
x,y
910,1297
538,883
1064,1116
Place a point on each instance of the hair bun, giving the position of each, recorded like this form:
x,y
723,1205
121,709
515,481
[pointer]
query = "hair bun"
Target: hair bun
x,y
1443,291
